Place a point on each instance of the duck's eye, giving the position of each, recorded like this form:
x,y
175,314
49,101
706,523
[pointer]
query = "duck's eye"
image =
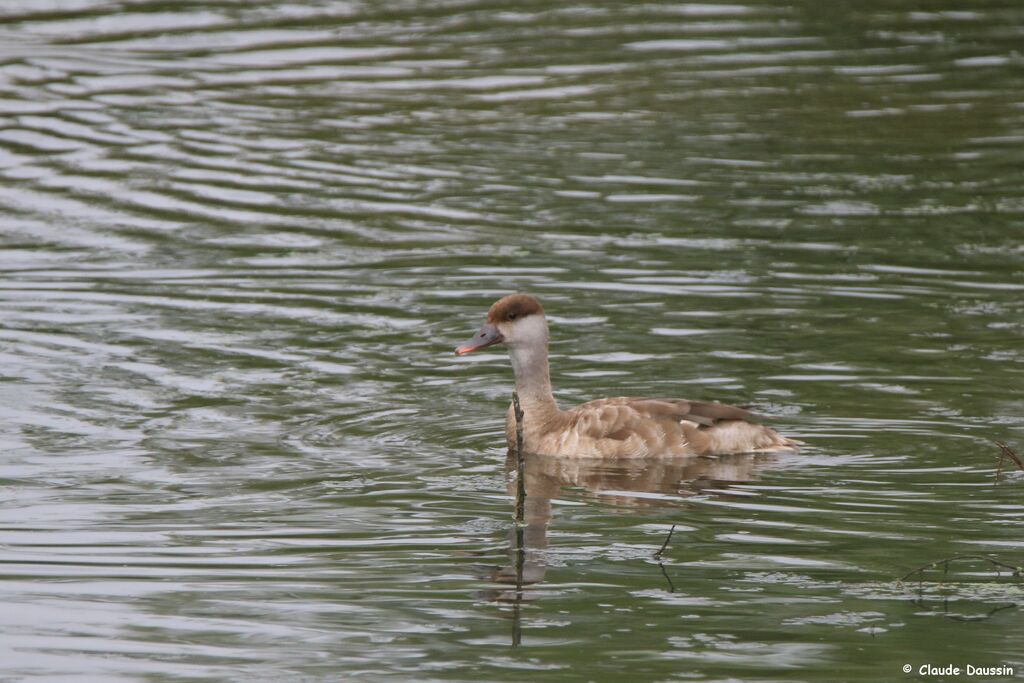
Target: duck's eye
x,y
512,316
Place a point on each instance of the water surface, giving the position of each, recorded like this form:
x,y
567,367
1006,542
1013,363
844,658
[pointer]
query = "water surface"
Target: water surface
x,y
239,241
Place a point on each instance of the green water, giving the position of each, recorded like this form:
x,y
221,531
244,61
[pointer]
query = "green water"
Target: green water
x,y
240,240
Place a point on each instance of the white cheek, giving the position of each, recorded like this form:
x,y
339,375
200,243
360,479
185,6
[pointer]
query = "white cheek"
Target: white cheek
x,y
530,330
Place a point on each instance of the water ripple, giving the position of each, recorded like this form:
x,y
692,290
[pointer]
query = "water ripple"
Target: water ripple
x,y
239,242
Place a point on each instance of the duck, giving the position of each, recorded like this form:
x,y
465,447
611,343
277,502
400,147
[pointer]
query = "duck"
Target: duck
x,y
621,427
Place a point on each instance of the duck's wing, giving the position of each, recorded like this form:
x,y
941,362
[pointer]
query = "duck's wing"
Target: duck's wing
x,y
653,421
659,409
641,426
632,427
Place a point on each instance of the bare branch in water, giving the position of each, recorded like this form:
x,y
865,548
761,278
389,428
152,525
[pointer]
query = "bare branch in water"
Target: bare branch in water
x,y
518,410
943,564
657,556
520,461
671,586
665,544
517,633
1007,452
1016,570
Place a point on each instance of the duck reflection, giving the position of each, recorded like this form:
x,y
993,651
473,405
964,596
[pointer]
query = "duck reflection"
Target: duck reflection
x,y
670,480
635,483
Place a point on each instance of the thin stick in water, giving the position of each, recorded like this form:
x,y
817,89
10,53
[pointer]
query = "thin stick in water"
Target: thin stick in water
x,y
518,410
520,461
1016,570
665,544
1008,452
517,631
517,605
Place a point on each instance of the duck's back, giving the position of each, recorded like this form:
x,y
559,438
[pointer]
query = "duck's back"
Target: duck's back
x,y
646,427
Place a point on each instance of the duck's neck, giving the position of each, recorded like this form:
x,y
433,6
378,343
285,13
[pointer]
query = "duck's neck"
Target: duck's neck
x,y
533,380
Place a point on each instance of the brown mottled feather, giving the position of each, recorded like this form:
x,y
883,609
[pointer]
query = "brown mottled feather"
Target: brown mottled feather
x,y
644,427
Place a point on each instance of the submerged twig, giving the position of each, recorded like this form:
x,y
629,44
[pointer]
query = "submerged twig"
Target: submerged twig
x,y
657,556
671,586
1016,570
517,632
1007,452
518,411
665,544
517,605
988,614
520,461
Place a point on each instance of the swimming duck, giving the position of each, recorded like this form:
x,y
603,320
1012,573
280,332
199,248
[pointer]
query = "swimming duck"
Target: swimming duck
x,y
608,427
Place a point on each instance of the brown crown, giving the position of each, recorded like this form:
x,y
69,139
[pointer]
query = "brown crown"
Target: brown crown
x,y
513,307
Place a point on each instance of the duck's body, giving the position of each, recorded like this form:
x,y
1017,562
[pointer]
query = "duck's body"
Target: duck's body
x,y
609,427
643,427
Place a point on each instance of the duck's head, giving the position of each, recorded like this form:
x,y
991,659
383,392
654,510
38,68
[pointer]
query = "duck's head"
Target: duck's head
x,y
517,319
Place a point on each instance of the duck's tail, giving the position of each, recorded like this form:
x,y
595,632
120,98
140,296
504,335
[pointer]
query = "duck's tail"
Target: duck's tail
x,y
740,436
